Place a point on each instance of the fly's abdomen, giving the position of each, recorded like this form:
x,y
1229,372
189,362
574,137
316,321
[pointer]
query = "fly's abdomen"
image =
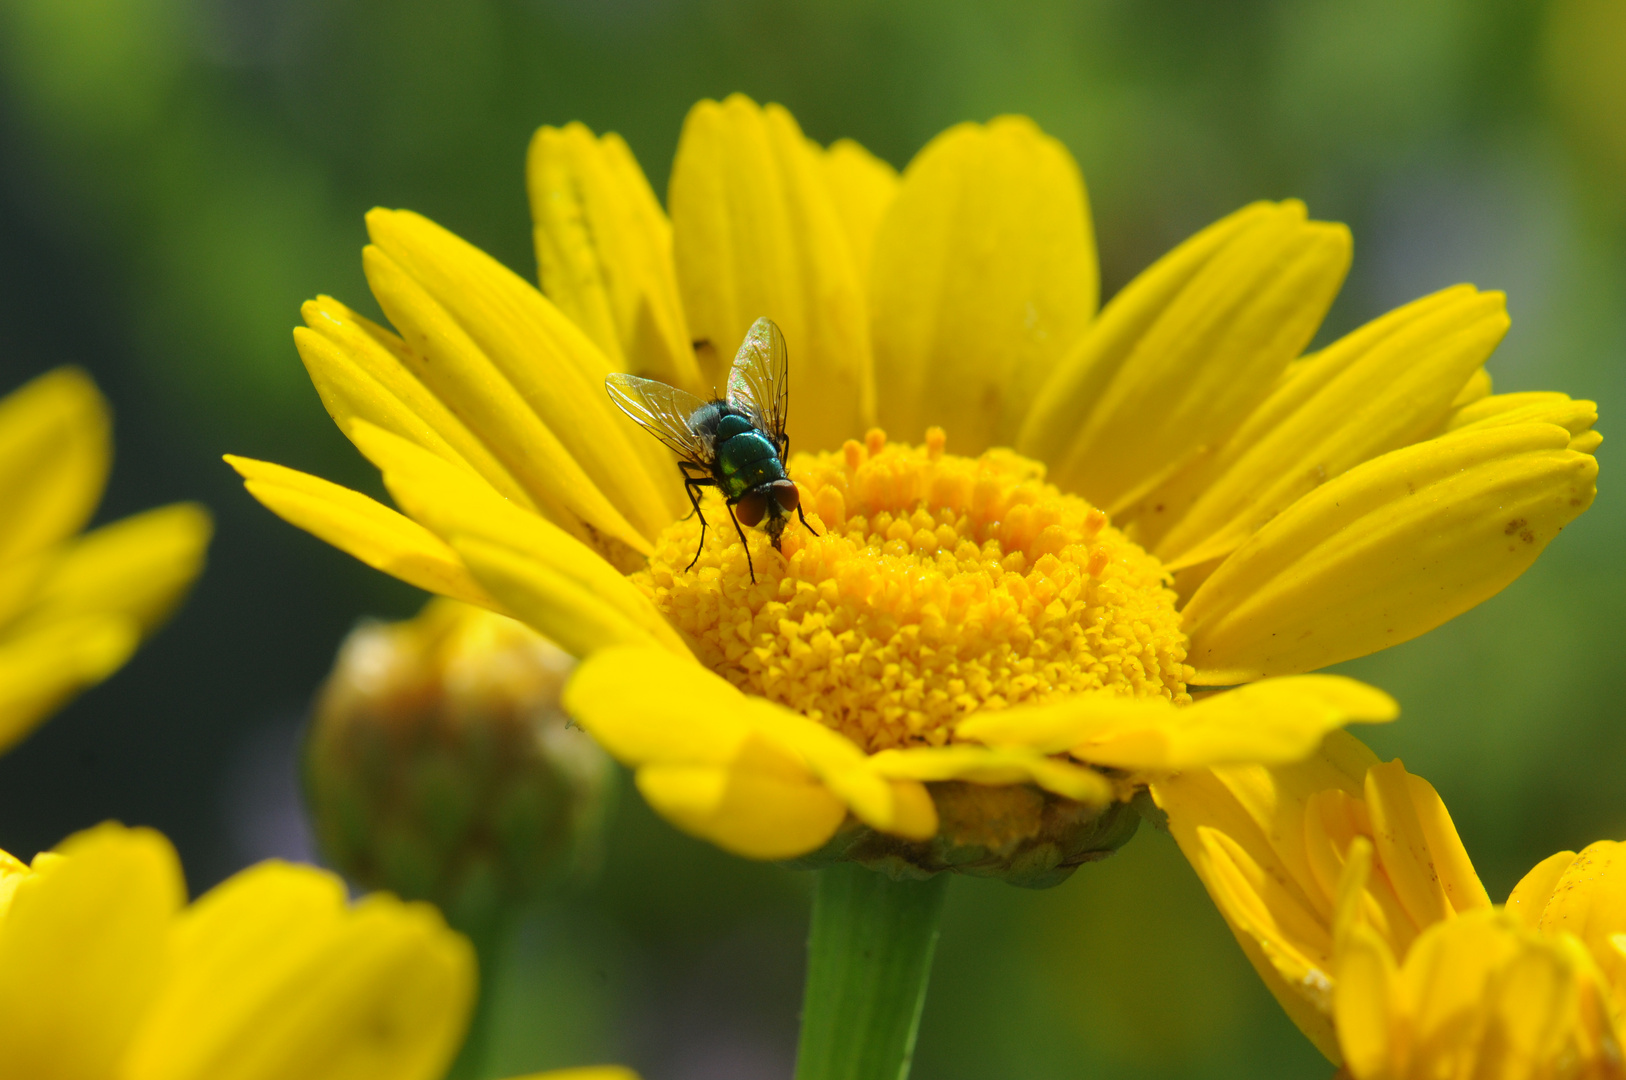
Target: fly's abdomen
x,y
746,461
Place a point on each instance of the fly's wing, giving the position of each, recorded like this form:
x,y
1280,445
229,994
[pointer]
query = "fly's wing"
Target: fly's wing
x,y
759,384
664,412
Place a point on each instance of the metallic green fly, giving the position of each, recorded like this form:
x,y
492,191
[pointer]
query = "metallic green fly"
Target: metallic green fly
x,y
736,444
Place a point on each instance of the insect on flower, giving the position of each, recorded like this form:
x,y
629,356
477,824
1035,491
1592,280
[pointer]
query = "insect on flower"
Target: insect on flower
x,y
735,444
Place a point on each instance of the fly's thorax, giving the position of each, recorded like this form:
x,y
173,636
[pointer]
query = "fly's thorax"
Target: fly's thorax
x,y
747,461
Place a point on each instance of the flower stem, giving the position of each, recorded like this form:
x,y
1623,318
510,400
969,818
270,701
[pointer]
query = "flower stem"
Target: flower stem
x,y
869,955
473,1061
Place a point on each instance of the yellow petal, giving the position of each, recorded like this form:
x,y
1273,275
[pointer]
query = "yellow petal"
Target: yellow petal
x,y
362,372
1272,722
1478,386
1490,405
704,751
44,665
359,526
1576,417
984,275
1382,387
274,975
1589,901
1387,551
540,573
591,1072
1529,897
1364,1007
1186,351
997,766
1402,845
82,950
756,233
138,567
521,375
763,806
863,187
552,602
1285,939
55,450
604,253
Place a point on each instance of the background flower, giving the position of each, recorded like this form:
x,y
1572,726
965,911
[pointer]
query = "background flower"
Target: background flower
x,y
73,608
178,175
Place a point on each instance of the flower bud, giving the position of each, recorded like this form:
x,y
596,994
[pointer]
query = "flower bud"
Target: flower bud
x,y
440,766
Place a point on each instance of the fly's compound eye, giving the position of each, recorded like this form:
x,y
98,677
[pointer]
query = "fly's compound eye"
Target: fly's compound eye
x,y
786,495
750,508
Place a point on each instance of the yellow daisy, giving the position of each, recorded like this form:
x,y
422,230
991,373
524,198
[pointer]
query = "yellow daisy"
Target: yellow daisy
x,y
74,607
107,974
1345,882
985,642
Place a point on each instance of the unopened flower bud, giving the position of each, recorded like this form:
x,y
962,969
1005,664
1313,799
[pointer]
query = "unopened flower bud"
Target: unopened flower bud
x,y
440,766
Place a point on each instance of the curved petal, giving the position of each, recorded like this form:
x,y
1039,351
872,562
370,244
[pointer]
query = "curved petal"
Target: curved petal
x,y
542,574
41,667
747,774
363,528
1587,899
1529,897
362,372
1386,552
82,950
863,187
55,450
604,253
1302,857
521,375
1274,722
1382,387
137,568
984,275
275,975
1186,351
756,233
996,766
762,805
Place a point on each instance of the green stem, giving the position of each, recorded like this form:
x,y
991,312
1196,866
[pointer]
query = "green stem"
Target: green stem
x,y
869,955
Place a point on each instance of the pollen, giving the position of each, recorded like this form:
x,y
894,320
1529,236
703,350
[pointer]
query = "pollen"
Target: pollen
x,y
936,586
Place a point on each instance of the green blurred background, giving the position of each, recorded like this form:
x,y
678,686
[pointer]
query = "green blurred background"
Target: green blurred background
x,y
177,175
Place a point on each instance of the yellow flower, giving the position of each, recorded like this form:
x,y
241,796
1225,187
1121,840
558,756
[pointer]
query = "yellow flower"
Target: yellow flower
x,y
1274,846
1346,884
1477,996
106,973
73,608
1162,495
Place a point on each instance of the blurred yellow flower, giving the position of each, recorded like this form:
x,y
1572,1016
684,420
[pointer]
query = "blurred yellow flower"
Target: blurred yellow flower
x,y
74,607
1477,996
1346,884
106,973
1274,846
1160,495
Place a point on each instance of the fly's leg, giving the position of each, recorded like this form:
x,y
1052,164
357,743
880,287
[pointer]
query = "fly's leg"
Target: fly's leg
x,y
803,518
691,488
703,480
743,544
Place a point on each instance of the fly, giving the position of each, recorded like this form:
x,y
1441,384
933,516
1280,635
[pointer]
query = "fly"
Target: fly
x,y
736,444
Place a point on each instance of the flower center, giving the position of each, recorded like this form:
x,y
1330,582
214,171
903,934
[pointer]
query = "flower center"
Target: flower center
x,y
938,585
